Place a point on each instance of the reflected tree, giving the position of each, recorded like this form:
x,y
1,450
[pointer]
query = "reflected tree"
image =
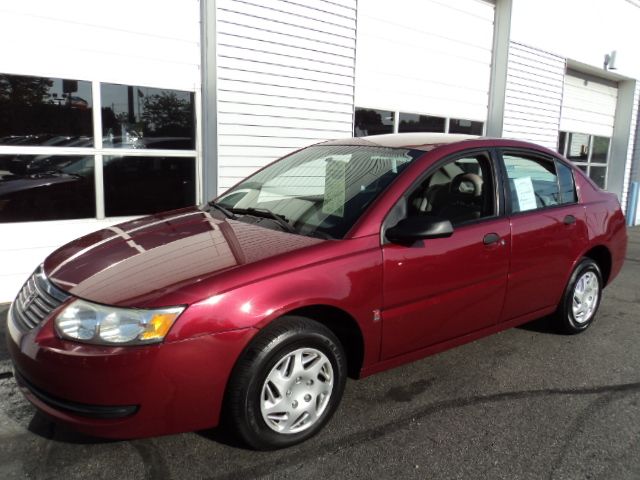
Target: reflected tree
x,y
24,90
167,113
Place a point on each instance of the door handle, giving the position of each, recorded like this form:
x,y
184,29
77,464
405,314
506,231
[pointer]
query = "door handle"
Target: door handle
x,y
569,220
490,238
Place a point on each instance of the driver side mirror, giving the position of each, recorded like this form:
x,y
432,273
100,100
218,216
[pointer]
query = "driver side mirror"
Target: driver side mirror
x,y
412,229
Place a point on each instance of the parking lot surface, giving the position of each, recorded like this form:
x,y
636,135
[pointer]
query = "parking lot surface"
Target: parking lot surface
x,y
525,403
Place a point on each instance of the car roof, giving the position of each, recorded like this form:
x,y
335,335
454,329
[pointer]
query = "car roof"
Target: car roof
x,y
414,140
425,141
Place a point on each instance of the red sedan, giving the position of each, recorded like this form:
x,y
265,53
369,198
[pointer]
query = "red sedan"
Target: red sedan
x,y
344,258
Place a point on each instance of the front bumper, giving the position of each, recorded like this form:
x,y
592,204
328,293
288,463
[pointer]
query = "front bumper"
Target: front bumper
x,y
125,392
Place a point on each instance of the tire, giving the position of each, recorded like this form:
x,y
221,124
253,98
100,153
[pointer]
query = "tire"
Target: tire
x,y
576,316
277,395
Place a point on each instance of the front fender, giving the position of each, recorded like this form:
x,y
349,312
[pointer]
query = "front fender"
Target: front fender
x,y
351,283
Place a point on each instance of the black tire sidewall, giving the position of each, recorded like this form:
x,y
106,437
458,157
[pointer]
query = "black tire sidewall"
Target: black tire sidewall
x,y
252,426
570,325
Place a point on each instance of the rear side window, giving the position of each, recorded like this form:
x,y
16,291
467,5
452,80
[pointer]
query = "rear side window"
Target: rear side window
x,y
532,182
567,185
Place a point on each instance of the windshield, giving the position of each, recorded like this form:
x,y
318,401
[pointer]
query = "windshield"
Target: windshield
x,y
321,190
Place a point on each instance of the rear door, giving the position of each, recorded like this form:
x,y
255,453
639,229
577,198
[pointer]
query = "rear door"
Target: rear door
x,y
443,288
548,230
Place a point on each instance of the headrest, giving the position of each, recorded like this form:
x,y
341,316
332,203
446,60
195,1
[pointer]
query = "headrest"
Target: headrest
x,y
467,184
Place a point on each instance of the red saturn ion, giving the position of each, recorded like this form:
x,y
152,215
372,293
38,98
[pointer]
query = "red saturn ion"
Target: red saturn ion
x,y
344,258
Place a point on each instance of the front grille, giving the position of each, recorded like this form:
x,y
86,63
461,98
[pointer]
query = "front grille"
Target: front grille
x,y
36,300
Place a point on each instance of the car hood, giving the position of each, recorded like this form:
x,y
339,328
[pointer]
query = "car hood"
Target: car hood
x,y
164,259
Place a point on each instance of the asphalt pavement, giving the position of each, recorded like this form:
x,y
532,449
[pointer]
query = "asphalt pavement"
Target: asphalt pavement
x,y
525,403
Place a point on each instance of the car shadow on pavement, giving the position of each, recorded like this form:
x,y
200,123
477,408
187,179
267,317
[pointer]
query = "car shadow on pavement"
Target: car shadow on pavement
x,y
46,428
4,354
546,324
223,435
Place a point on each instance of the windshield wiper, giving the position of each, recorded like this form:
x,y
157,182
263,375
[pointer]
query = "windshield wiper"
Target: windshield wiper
x,y
228,213
266,213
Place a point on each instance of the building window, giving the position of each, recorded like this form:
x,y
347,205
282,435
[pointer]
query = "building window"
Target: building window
x,y
50,147
46,187
369,121
372,122
45,111
589,152
136,185
468,127
142,117
411,122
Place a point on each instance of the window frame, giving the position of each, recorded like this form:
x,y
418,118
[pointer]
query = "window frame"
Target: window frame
x,y
395,123
393,216
544,157
99,152
588,163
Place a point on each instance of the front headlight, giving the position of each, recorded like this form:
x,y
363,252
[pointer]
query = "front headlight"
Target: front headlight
x,y
92,323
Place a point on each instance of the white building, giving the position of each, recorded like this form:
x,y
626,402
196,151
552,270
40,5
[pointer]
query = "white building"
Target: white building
x,y
110,110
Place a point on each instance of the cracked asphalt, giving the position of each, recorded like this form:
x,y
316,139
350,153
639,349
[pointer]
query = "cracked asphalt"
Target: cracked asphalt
x,y
525,403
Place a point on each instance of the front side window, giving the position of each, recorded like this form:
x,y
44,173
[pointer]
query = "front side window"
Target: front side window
x,y
532,182
460,191
319,191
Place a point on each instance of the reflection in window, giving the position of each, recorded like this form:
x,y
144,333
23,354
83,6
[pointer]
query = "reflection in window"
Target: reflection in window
x,y
562,140
372,122
598,175
410,122
144,185
578,147
589,152
567,186
321,190
600,150
143,117
532,182
46,187
468,127
45,111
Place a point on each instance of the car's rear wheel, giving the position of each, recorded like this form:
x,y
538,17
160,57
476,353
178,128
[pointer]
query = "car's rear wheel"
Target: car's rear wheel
x,y
582,297
287,384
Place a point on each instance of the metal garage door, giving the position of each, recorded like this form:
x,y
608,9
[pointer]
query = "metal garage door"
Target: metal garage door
x,y
588,105
424,58
586,123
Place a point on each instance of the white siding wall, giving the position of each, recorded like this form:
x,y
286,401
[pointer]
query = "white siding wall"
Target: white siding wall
x,y
583,31
533,96
142,42
429,57
588,106
285,79
633,150
23,246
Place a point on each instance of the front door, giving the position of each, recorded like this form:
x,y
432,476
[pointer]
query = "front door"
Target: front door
x,y
443,288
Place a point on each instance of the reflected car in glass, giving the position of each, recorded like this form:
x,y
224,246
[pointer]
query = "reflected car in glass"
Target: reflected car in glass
x,y
345,258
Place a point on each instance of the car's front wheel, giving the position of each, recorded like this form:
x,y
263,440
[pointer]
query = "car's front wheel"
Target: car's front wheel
x,y
582,297
287,384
